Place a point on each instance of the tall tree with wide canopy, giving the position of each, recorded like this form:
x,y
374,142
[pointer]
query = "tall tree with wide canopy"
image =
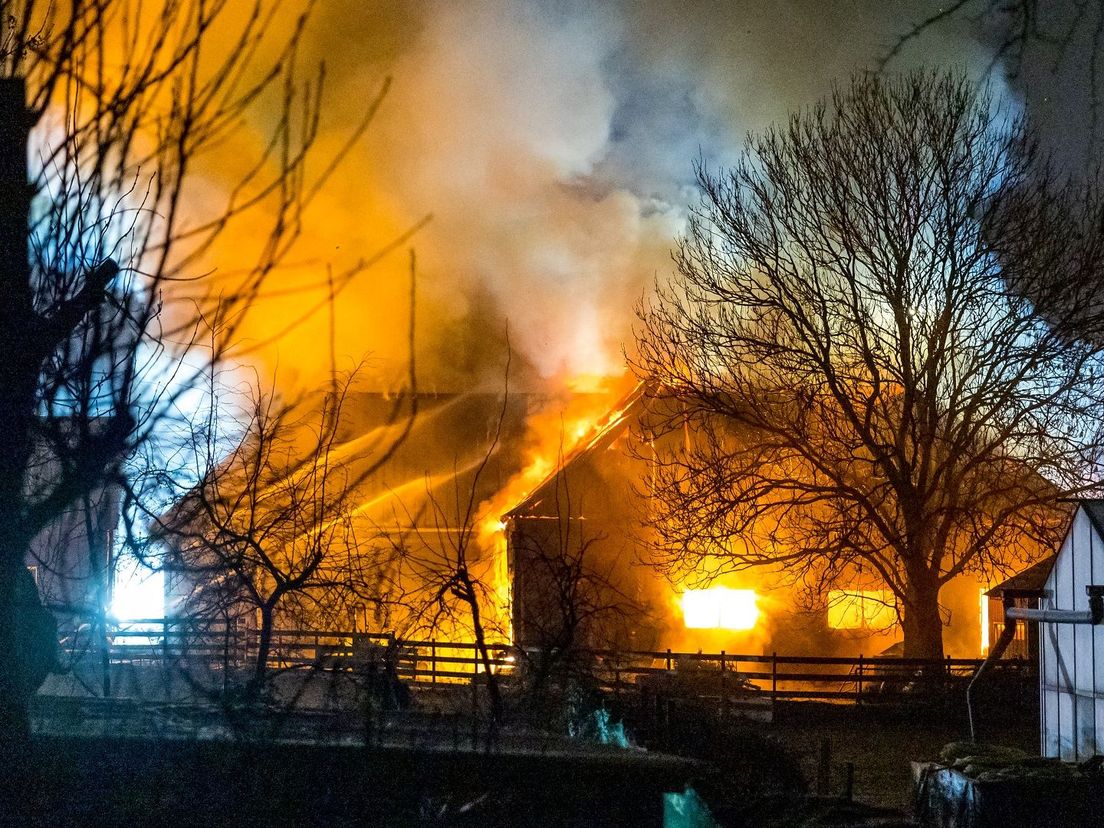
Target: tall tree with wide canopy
x,y
874,400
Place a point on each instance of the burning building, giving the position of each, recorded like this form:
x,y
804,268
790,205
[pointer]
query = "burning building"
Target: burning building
x,y
541,505
589,521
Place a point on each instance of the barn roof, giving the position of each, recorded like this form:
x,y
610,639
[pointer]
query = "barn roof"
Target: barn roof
x,y
627,411
446,455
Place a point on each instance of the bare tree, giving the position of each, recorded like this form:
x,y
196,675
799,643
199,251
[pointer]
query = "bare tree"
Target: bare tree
x,y
565,600
868,394
268,537
103,266
449,576
1063,35
447,570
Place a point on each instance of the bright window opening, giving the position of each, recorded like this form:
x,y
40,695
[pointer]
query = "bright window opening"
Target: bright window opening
x,y
720,608
138,593
984,606
860,609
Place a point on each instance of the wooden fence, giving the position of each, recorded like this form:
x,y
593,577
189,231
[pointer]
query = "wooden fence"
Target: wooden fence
x,y
425,662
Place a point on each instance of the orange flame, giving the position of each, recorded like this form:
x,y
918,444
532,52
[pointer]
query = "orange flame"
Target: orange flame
x,y
552,436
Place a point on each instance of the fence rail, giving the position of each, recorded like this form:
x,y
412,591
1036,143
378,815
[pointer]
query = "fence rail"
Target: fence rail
x,y
722,676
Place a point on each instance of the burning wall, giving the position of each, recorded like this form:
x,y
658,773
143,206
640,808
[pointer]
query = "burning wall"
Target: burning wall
x,y
595,505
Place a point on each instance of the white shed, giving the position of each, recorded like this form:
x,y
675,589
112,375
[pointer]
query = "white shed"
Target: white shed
x,y
1071,656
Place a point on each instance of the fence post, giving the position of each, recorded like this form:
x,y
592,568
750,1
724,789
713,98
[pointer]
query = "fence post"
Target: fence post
x,y
947,681
668,659
225,653
724,687
475,710
433,662
859,681
774,680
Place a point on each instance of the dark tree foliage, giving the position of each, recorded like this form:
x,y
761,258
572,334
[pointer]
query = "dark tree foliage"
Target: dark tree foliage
x,y
874,400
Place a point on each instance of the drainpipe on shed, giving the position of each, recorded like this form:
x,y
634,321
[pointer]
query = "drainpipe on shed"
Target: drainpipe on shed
x,y
1093,615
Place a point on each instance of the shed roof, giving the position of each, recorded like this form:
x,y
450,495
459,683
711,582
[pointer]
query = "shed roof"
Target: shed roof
x,y
1095,510
1034,577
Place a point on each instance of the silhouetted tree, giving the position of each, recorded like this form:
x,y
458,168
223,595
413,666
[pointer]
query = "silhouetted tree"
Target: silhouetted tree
x,y
450,576
566,603
106,109
869,394
269,537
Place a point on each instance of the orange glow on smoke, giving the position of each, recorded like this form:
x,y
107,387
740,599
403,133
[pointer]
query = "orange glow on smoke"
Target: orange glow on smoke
x,y
720,608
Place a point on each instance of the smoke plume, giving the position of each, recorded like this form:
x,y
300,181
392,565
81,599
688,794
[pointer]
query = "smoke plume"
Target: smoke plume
x,y
553,145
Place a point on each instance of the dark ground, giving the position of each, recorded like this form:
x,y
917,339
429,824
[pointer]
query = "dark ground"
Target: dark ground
x,y
881,743
879,738
133,782
412,777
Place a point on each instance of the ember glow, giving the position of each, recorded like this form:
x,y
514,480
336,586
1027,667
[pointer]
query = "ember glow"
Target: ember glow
x,y
720,608
492,537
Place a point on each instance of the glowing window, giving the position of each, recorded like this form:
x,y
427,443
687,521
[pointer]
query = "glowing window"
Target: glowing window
x,y
860,609
720,608
984,622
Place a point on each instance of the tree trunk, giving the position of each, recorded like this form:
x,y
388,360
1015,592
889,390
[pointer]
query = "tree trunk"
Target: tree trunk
x,y
484,655
18,385
264,645
923,626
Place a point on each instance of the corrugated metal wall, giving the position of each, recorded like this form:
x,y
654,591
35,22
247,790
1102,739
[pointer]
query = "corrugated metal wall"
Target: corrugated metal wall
x,y
1071,656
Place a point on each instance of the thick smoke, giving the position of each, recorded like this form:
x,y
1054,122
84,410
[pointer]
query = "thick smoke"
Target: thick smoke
x,y
553,144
